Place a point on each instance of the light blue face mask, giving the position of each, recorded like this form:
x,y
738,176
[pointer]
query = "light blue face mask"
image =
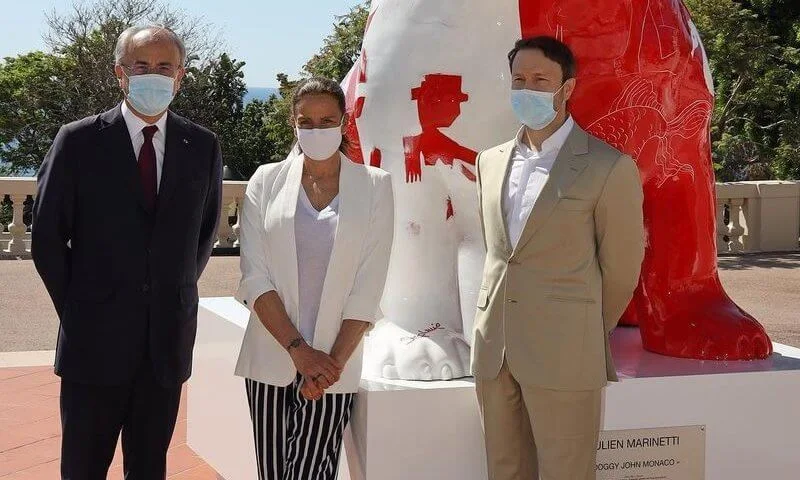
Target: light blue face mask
x,y
534,109
150,94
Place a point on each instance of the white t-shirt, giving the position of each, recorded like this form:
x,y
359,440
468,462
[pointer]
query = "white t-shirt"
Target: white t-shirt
x,y
314,235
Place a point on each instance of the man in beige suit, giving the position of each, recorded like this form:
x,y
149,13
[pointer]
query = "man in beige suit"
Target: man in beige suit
x,y
562,221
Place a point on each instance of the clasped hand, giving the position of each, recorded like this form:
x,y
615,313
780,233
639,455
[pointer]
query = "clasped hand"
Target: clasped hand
x,y
320,371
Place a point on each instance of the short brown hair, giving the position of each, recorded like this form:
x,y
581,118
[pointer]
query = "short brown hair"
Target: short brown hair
x,y
553,49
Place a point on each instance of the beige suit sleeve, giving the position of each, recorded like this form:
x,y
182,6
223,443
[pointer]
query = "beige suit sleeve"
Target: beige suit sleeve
x,y
619,232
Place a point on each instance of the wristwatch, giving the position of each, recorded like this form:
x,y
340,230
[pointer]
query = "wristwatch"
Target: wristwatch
x,y
294,344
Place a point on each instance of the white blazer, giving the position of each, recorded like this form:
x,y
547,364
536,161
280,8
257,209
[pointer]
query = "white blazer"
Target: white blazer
x,y
356,273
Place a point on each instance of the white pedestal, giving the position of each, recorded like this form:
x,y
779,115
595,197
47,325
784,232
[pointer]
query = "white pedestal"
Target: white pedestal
x,y
749,408
419,430
219,427
431,430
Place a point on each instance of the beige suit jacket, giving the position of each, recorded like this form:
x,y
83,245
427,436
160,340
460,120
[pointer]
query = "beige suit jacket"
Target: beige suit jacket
x,y
548,305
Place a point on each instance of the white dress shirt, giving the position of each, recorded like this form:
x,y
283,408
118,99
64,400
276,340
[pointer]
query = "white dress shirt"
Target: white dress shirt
x,y
135,126
529,172
314,233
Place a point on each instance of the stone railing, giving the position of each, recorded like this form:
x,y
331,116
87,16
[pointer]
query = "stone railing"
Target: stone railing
x,y
758,217
228,230
15,236
16,195
751,216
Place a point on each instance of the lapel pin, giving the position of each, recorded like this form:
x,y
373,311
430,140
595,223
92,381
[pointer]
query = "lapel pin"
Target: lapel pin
x,y
186,141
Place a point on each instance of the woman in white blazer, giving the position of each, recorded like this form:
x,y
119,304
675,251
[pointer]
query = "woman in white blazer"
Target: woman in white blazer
x,y
316,233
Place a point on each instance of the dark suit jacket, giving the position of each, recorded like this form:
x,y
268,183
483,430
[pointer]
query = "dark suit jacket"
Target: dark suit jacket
x,y
123,278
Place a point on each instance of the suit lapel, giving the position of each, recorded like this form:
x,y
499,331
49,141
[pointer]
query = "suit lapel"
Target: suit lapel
x,y
494,187
118,145
176,147
569,164
288,241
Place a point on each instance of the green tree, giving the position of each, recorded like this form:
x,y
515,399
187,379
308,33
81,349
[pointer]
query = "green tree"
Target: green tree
x,y
35,97
753,51
278,120
338,54
252,138
47,90
88,33
41,91
212,96
340,49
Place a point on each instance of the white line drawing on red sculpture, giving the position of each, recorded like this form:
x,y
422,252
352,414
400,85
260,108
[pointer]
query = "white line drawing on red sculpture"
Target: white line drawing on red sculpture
x,y
563,23
637,118
662,29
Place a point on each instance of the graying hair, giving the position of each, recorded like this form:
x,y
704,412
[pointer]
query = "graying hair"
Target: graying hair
x,y
122,42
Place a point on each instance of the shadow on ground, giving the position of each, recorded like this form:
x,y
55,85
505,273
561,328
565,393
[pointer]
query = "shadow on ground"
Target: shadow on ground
x,y
747,262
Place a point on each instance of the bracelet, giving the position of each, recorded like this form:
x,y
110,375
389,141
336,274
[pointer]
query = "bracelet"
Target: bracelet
x,y
295,343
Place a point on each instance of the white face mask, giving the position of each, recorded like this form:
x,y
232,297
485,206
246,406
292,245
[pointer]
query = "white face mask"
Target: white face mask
x,y
319,143
150,94
534,108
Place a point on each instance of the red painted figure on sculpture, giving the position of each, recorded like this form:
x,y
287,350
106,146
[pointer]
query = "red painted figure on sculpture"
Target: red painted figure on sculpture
x,y
439,99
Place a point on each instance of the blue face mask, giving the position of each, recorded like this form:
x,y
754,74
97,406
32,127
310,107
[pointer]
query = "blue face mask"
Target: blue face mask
x,y
150,94
534,109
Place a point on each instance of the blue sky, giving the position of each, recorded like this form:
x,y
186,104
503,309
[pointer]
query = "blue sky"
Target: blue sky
x,y
270,35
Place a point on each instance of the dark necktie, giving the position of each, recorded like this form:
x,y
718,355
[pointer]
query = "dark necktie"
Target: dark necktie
x,y
147,167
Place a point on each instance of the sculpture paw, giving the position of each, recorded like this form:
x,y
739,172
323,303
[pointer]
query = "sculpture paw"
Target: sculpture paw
x,y
711,328
432,353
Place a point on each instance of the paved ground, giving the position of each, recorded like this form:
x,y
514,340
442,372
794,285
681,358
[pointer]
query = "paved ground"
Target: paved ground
x,y
31,432
28,320
768,286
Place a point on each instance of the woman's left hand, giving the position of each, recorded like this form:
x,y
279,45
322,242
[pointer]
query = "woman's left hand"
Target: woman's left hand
x,y
310,390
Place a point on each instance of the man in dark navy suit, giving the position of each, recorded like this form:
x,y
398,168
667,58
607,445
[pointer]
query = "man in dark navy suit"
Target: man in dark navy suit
x,y
124,224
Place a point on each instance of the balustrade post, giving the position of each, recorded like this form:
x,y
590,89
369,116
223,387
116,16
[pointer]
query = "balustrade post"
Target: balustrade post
x,y
722,228
736,229
17,227
236,226
224,230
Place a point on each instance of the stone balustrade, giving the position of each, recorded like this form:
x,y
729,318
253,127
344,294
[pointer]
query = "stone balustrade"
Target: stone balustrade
x,y
758,217
17,193
751,216
228,230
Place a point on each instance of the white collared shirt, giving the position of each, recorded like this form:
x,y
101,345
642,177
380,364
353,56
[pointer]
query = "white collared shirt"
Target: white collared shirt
x,y
135,126
528,174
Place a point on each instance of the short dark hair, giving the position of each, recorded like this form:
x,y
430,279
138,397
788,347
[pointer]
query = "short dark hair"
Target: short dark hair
x,y
553,49
320,86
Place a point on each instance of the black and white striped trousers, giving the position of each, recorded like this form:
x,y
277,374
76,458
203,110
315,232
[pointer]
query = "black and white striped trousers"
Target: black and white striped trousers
x,y
297,439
